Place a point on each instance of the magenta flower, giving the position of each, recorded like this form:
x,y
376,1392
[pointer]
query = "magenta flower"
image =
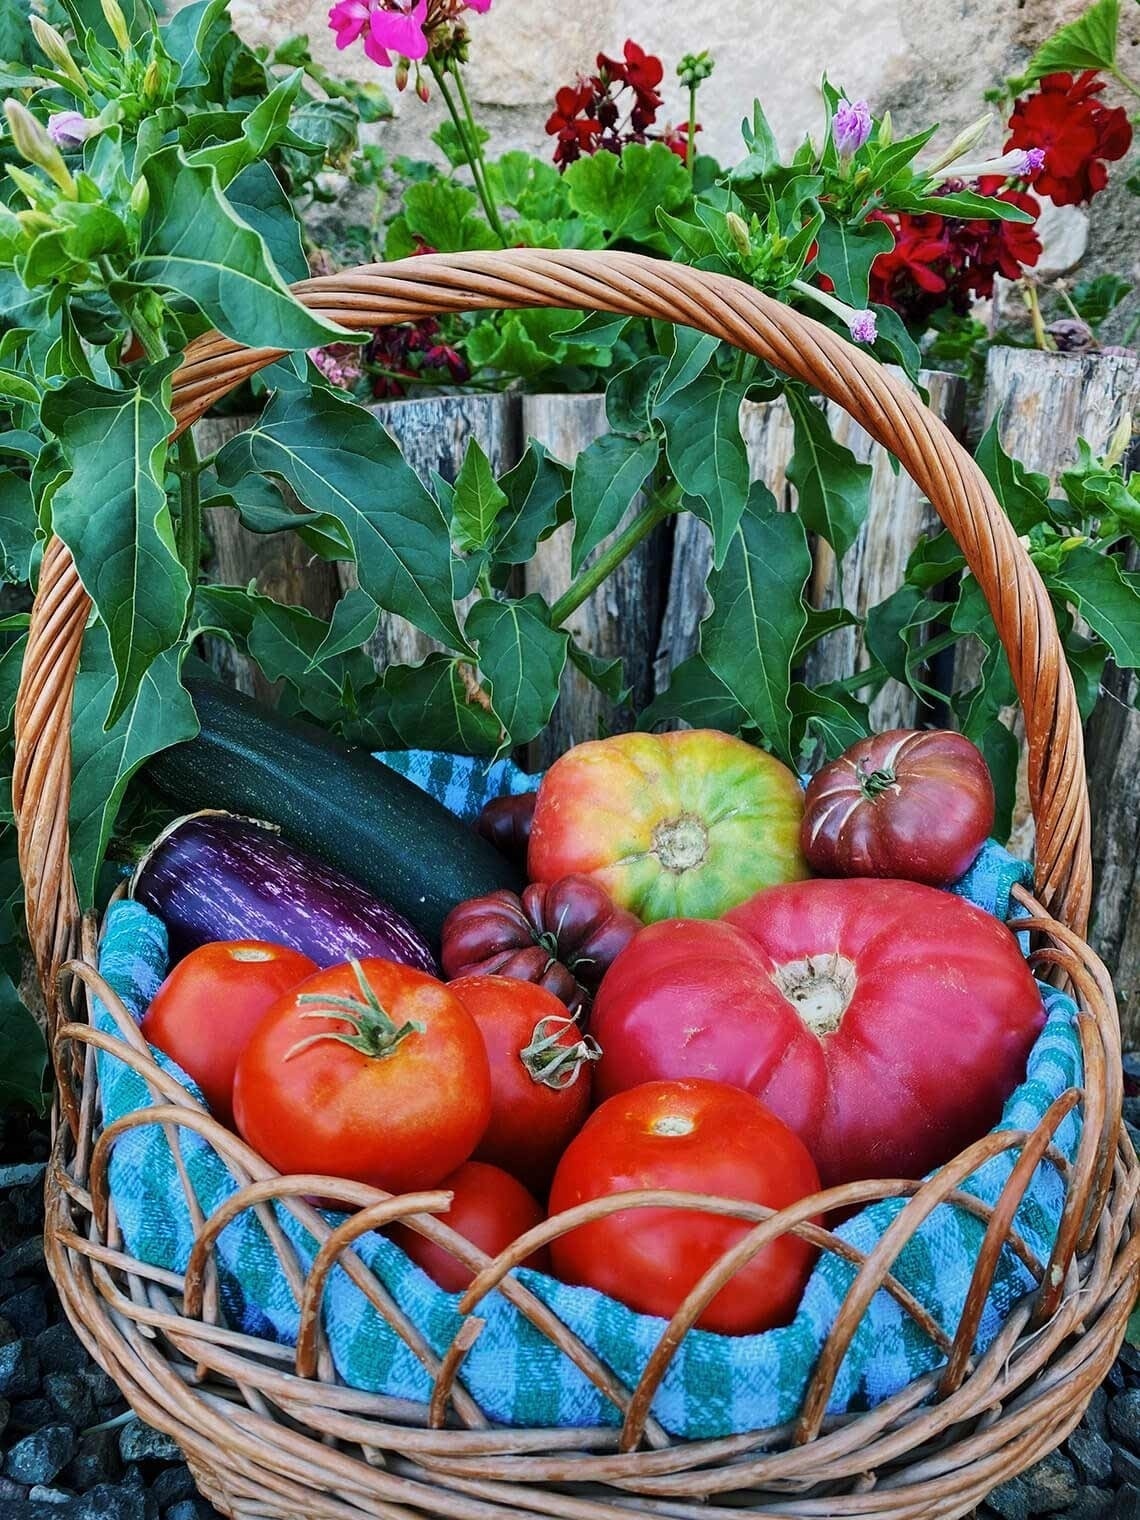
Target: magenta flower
x,y
482,6
398,27
348,18
851,126
70,129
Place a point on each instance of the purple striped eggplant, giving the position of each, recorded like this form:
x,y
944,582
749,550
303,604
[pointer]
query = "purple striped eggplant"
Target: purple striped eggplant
x,y
215,876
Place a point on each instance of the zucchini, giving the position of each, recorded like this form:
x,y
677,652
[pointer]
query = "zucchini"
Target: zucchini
x,y
335,801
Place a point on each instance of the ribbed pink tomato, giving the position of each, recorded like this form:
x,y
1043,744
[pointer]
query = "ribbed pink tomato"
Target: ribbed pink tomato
x,y
884,1021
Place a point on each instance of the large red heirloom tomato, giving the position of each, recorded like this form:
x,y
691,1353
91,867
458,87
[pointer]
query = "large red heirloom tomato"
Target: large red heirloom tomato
x,y
909,804
884,1021
670,824
690,1137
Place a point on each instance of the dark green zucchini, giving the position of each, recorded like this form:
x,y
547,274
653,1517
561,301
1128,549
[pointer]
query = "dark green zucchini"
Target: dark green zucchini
x,y
335,801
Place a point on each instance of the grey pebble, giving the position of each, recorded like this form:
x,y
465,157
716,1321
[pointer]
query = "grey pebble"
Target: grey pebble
x,y
96,1461
1010,1500
140,1443
1050,1485
1091,1454
111,1502
19,1369
26,1311
41,1455
1124,1417
59,1349
1126,1466
38,1493
172,1484
191,1509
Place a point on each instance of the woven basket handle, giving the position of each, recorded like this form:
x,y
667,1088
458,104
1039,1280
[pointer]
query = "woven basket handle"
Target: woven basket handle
x,y
628,284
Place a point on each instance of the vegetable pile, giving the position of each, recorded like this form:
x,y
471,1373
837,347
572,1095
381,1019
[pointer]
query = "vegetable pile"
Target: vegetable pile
x,y
365,988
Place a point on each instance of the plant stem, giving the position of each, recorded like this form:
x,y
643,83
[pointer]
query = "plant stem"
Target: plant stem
x,y
1122,78
480,158
189,533
691,145
1040,336
469,141
660,507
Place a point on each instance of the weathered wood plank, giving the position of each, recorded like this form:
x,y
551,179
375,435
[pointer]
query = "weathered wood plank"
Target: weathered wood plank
x,y
279,562
872,570
1047,402
433,434
621,619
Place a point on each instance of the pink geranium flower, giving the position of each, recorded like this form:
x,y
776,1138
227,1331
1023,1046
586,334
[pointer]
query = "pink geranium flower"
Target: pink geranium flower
x,y
398,27
348,19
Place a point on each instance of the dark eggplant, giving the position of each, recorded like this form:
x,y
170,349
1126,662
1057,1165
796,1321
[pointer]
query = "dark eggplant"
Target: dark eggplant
x,y
214,876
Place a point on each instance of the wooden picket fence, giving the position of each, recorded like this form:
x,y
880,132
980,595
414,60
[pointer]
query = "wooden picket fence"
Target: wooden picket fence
x,y
649,611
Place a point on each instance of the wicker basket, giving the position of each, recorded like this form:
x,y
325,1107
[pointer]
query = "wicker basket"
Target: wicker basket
x,y
268,1430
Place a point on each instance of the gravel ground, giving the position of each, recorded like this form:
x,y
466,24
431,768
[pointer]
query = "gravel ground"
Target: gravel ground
x,y
70,1451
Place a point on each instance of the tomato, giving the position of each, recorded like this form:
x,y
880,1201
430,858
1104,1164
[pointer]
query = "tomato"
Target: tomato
x,y
885,1021
539,1096
491,1209
697,1137
669,824
371,1071
912,805
205,1011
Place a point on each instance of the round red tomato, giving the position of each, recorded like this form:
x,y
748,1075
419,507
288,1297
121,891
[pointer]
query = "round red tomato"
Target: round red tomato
x,y
205,1011
885,1021
491,1209
913,805
684,823
371,1071
695,1137
540,1074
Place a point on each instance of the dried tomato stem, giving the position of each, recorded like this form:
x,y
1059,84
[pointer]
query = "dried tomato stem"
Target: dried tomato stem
x,y
552,1064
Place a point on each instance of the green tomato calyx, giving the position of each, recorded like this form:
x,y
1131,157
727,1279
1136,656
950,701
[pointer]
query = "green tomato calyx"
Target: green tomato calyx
x,y
373,1031
549,1062
874,783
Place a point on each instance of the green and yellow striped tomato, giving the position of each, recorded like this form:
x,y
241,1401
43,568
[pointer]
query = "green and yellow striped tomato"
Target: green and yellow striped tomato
x,y
680,825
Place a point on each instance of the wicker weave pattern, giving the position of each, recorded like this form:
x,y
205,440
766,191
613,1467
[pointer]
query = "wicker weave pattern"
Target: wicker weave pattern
x,y
260,1423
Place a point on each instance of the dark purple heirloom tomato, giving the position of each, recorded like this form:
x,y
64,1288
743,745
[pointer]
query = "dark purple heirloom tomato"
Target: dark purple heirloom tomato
x,y
917,806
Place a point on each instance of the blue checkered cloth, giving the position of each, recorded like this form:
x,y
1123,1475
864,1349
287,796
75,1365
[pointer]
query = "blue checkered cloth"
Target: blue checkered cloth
x,y
716,1385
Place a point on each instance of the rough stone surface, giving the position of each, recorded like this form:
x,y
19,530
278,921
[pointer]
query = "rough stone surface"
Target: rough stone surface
x,y
1124,1417
1051,1486
139,1443
1091,1454
41,1455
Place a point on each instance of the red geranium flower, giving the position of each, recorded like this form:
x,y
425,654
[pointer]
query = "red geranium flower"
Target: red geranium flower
x,y
1078,133
914,275
576,130
991,248
642,72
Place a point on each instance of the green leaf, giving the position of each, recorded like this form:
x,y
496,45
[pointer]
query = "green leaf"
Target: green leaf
x,y
895,344
112,513
17,526
1087,43
338,460
354,621
820,622
696,695
260,131
692,352
706,452
257,197
25,1051
538,501
629,396
184,37
846,254
961,203
427,706
625,193
607,675
103,758
607,476
262,509
522,658
896,635
453,147
1095,298
828,715
750,637
1023,494
597,330
834,489
477,501
194,243
1107,597
443,213
287,642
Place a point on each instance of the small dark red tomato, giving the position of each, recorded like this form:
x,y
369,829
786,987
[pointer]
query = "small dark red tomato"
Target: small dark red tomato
x,y
208,1007
693,1136
490,1209
916,806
